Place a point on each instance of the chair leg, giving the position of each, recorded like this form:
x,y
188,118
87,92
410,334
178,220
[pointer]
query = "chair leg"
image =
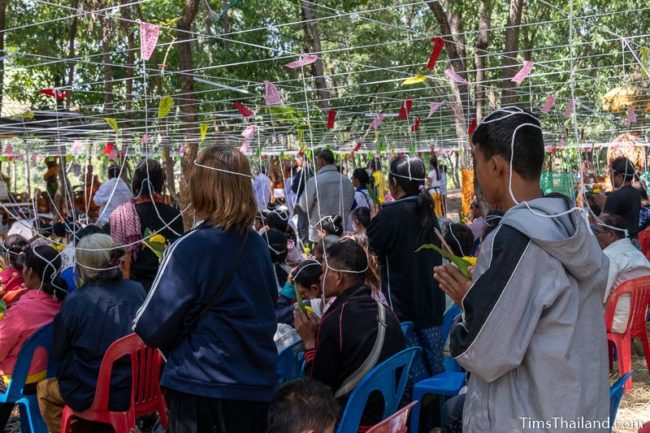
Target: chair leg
x,y
33,416
624,352
646,348
66,418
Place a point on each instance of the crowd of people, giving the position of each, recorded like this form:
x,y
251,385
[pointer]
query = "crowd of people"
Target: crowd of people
x,y
338,263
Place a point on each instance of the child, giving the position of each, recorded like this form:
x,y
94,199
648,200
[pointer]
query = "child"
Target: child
x,y
460,239
11,277
331,225
360,219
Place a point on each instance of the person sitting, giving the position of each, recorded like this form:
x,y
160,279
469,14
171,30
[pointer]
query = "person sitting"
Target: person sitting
x,y
625,263
331,225
11,277
342,341
360,219
478,222
306,278
94,316
130,221
37,307
303,406
460,239
279,219
111,195
360,180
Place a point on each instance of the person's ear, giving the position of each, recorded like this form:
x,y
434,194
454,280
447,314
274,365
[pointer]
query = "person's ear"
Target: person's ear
x,y
497,166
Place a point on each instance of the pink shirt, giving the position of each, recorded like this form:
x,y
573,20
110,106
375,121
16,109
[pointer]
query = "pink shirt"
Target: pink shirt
x,y
32,311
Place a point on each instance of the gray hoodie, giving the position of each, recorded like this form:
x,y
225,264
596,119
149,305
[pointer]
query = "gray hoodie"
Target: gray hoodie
x,y
533,334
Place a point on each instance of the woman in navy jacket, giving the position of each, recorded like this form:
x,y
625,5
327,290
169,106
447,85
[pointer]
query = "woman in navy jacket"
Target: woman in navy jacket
x,y
221,358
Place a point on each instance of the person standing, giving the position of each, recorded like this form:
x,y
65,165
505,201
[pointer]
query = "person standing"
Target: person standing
x,y
111,195
328,193
211,308
263,190
625,200
303,174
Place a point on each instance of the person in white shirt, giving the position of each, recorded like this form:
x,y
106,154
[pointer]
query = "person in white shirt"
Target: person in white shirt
x,y
625,263
263,190
111,195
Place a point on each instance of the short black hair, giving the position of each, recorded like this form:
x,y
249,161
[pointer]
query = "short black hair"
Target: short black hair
x,y
332,225
277,243
148,178
45,261
362,176
361,215
326,155
348,255
494,137
308,272
617,225
278,219
302,404
460,239
16,246
58,229
624,167
113,171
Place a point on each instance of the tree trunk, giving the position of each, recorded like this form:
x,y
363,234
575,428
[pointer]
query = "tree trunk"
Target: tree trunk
x,y
130,55
312,35
3,13
187,102
482,43
72,36
225,25
106,60
509,69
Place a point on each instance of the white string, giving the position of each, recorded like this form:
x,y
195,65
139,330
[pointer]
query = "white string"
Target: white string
x,y
223,170
304,266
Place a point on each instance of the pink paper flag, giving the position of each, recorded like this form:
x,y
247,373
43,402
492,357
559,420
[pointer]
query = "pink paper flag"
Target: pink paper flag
x,y
523,72
34,157
377,121
550,102
434,107
272,95
631,115
8,150
112,155
249,132
569,108
454,76
305,59
77,147
148,38
244,147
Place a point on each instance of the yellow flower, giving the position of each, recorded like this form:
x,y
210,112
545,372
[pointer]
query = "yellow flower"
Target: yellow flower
x,y
309,309
470,260
59,247
157,239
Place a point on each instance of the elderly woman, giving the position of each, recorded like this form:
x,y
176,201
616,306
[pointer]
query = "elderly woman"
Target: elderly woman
x,y
99,312
212,307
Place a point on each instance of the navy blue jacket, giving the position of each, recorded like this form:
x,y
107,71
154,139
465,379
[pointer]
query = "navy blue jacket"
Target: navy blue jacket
x,y
229,352
90,320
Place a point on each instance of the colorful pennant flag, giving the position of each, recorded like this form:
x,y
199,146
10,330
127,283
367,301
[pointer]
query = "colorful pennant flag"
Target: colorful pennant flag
x,y
243,110
416,124
377,121
472,127
405,109
8,150
550,102
523,72
203,130
108,148
244,147
165,106
305,59
249,132
272,96
356,149
112,123
148,39
77,147
454,76
331,118
438,45
434,107
414,80
631,114
54,93
569,108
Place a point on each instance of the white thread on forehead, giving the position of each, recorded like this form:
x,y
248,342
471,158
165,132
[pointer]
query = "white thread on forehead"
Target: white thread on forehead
x,y
237,173
311,263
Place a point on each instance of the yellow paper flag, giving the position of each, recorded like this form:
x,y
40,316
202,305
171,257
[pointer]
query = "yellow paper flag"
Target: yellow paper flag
x,y
165,106
203,128
25,115
112,123
414,80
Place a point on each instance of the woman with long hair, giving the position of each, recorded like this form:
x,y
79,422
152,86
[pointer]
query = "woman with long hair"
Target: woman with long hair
x,y
398,230
212,307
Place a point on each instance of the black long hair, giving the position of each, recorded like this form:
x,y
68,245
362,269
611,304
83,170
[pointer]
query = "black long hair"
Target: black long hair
x,y
15,246
409,173
46,262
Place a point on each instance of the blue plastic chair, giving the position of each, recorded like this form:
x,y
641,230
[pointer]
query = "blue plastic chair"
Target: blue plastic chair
x,y
448,383
290,362
615,394
382,378
407,327
30,415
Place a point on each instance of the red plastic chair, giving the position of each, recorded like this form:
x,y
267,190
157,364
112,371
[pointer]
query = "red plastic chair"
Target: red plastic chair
x,y
639,291
146,396
396,423
644,242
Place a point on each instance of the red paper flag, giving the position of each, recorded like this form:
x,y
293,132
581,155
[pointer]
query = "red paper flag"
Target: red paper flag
x,y
243,110
472,127
405,109
53,93
416,124
550,101
331,118
356,149
108,148
438,45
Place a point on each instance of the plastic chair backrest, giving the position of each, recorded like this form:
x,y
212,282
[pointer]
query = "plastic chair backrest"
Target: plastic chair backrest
x,y
639,291
290,362
42,338
407,327
615,395
383,378
644,242
448,320
396,423
145,370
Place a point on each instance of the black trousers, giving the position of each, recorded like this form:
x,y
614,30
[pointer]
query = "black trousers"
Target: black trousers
x,y
195,414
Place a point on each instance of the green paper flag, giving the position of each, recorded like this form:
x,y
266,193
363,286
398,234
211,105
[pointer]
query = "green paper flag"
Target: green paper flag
x,y
112,123
203,128
165,106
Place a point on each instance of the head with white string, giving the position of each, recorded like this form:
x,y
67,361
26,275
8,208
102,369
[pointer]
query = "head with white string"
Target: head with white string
x,y
508,153
98,260
612,228
221,189
622,172
344,266
148,179
276,242
41,271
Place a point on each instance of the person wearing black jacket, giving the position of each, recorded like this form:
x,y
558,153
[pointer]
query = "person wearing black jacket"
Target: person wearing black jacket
x,y
338,344
394,235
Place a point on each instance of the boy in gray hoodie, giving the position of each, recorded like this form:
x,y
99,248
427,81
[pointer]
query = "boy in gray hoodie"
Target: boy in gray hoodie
x,y
532,334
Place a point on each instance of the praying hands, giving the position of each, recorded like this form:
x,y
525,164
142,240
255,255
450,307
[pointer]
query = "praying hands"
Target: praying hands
x,y
452,282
